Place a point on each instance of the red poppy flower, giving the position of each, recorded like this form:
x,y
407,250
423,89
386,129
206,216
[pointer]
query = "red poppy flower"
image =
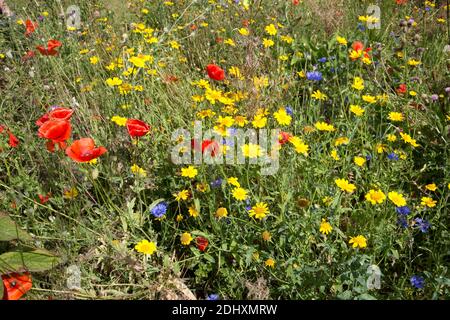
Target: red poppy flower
x,y
358,45
401,1
30,54
401,88
366,52
58,113
215,72
55,130
13,141
207,145
284,137
30,27
43,199
137,128
50,50
202,243
53,44
295,2
210,146
15,285
84,150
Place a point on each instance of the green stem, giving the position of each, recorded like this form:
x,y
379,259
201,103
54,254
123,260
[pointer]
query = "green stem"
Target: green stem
x,y
448,21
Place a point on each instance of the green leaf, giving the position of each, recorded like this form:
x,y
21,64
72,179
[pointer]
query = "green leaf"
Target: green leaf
x,y
176,268
195,251
346,295
201,234
35,261
10,231
130,205
366,296
210,258
197,204
395,254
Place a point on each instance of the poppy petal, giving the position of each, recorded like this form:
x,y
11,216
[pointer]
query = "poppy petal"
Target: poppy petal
x,y
16,285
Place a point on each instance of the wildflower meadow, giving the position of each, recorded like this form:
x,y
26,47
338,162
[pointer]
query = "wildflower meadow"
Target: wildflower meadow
x,y
224,149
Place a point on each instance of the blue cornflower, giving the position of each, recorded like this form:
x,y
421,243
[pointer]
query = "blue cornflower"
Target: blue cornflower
x,y
423,225
402,222
159,210
213,297
228,142
322,60
289,111
232,131
368,157
405,210
361,26
216,183
417,282
393,156
314,75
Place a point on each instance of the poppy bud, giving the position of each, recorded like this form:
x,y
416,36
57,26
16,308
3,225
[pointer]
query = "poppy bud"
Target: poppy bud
x,y
202,243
